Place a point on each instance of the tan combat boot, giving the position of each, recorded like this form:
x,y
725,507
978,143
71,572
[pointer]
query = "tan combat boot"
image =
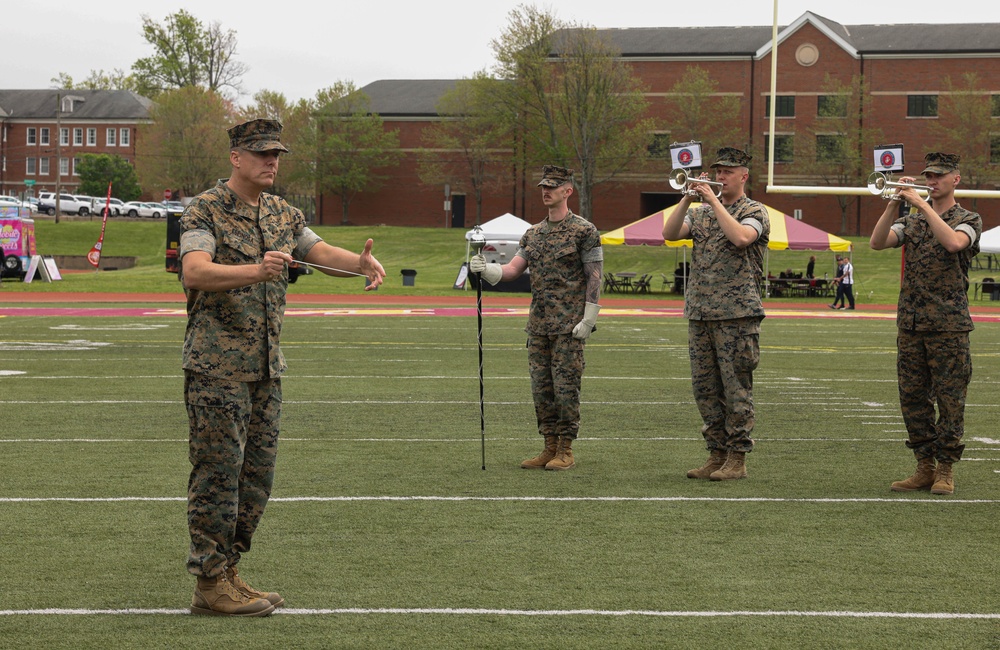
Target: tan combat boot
x,y
564,455
735,467
219,597
272,597
539,461
944,480
922,479
716,459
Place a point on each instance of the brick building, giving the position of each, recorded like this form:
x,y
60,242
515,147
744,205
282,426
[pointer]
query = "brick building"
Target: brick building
x,y
904,65
42,133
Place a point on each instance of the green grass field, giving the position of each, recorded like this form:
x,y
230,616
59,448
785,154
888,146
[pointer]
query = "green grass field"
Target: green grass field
x,y
384,531
435,253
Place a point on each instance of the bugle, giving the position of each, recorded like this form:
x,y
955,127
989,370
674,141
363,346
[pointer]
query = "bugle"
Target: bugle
x,y
879,184
681,179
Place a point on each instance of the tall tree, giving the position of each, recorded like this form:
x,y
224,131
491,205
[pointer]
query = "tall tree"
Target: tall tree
x,y
97,170
966,126
344,148
186,53
185,145
837,148
697,111
117,79
467,149
574,99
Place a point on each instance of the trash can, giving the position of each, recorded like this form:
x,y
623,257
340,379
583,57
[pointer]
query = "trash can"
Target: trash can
x,y
408,276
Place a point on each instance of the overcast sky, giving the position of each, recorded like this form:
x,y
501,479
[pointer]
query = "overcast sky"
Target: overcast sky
x,y
297,47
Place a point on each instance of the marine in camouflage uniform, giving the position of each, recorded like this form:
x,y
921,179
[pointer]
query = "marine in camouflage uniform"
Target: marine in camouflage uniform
x,y
934,361
565,259
723,306
234,250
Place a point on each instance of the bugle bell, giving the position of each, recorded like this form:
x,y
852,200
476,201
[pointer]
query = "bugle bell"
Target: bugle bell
x,y
879,183
681,179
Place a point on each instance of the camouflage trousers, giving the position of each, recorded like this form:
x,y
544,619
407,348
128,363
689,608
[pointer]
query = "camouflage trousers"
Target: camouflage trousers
x,y
724,354
556,365
934,367
232,447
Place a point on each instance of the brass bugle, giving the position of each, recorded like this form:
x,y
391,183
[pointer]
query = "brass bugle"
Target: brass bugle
x,y
681,179
878,184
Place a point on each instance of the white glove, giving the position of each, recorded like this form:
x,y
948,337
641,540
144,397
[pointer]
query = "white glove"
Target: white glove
x,y
492,273
586,326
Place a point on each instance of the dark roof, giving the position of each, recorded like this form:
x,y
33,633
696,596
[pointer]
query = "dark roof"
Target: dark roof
x,y
866,40
407,97
96,104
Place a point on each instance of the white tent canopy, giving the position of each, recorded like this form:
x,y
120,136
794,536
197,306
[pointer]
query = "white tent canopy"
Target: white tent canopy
x,y
506,227
989,241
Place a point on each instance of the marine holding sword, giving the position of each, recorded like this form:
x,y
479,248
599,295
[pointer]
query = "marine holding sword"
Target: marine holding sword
x,y
236,241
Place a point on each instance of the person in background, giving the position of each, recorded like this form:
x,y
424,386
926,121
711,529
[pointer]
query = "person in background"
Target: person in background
x,y
839,297
933,361
811,267
235,247
566,260
724,309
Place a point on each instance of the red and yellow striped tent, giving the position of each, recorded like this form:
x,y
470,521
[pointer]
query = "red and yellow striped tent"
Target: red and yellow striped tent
x,y
786,234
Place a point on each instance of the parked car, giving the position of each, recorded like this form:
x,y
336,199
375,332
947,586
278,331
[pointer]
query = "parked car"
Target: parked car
x,y
25,203
161,210
139,209
174,208
68,203
98,204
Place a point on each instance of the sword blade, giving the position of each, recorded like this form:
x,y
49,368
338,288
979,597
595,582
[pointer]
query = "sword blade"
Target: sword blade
x,y
329,268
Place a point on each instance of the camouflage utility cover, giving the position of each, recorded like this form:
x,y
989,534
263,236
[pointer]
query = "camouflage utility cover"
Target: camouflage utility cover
x,y
234,334
556,253
725,280
935,291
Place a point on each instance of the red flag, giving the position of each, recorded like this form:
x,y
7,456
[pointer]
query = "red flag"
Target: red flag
x,y
94,256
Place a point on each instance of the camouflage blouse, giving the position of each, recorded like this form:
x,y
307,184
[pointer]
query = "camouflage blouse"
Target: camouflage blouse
x,y
556,253
935,290
725,280
235,334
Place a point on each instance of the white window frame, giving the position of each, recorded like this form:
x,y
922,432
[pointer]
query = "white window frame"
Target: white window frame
x,y
31,137
43,166
78,136
64,136
126,137
30,166
64,166
112,137
76,161
43,137
91,137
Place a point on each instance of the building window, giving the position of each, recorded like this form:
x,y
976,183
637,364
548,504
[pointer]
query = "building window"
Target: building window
x,y
64,137
660,146
995,149
32,135
786,106
783,148
76,161
921,106
30,167
64,166
831,106
829,148
124,140
112,132
78,137
43,166
45,136
91,137
995,101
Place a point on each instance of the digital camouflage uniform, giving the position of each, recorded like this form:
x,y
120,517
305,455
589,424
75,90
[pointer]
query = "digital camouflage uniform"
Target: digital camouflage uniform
x,y
724,310
232,368
556,253
934,362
